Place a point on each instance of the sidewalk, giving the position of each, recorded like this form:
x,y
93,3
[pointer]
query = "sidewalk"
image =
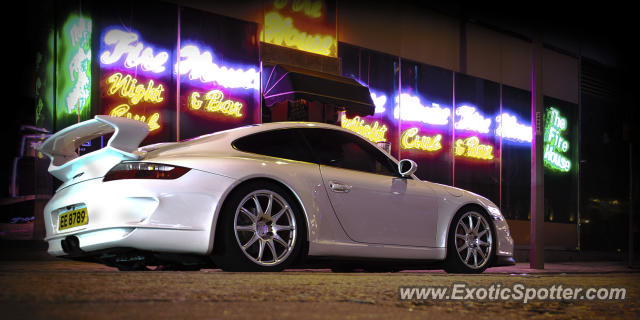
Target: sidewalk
x,y
568,267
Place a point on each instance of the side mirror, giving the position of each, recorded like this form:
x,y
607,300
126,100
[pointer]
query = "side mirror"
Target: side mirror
x,y
407,167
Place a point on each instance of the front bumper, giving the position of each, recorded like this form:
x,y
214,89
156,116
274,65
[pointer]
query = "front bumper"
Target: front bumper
x,y
154,215
502,261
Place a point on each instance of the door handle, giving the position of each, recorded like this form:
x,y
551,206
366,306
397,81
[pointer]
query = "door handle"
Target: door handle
x,y
339,187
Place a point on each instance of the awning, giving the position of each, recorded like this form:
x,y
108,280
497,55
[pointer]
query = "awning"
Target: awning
x,y
288,83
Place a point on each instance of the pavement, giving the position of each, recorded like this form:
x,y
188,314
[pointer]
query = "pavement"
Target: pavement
x,y
61,289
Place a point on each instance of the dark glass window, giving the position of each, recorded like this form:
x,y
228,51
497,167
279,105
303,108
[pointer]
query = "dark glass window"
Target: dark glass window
x,y
379,72
516,155
560,183
348,151
285,143
427,88
476,146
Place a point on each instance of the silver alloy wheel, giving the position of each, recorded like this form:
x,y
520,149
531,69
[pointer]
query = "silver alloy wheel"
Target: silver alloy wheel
x,y
265,227
474,241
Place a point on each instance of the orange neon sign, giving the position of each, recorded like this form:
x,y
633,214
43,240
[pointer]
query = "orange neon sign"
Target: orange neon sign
x,y
123,111
411,140
375,132
128,87
472,148
214,102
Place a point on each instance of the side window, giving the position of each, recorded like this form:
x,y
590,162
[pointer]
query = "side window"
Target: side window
x,y
283,143
344,150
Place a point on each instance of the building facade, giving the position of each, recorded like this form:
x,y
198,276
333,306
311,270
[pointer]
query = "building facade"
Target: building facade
x,y
450,94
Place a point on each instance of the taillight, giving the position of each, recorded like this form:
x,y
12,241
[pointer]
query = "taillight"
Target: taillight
x,y
144,170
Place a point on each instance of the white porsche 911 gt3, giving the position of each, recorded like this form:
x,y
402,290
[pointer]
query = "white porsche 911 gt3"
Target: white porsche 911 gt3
x,y
259,198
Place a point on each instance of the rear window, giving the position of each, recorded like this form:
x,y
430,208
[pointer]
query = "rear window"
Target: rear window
x,y
284,143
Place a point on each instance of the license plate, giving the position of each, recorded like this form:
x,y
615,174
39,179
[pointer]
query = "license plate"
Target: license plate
x,y
73,218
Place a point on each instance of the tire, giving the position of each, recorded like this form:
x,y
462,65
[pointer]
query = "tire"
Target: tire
x,y
471,242
266,236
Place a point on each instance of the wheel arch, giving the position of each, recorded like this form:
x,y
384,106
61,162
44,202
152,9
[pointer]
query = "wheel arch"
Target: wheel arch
x,y
215,228
464,208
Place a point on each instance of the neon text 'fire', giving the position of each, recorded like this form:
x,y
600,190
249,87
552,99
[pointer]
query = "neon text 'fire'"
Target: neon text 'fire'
x,y
126,44
470,119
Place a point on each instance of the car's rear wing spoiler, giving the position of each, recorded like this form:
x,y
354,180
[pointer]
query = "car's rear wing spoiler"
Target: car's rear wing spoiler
x,y
62,147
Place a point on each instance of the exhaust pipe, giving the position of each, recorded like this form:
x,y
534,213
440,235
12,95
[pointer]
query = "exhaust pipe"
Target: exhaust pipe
x,y
71,245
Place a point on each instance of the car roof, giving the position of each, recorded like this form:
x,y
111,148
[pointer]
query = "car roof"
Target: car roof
x,y
235,133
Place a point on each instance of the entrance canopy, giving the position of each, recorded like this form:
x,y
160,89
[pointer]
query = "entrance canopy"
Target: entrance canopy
x,y
288,83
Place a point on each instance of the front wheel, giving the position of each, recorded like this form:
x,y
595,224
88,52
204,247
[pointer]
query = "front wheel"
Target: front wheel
x,y
470,243
260,229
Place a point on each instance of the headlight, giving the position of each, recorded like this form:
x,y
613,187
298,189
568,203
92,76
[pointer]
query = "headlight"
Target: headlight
x,y
495,213
144,170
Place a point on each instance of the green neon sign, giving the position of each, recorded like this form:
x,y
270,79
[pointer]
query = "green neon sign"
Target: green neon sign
x,y
74,69
556,145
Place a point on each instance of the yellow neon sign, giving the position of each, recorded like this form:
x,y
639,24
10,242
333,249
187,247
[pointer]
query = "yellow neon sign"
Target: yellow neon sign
x,y
128,87
312,9
411,140
375,132
472,148
123,111
280,31
213,101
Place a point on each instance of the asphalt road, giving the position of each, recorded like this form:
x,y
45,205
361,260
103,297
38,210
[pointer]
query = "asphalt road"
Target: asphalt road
x,y
59,289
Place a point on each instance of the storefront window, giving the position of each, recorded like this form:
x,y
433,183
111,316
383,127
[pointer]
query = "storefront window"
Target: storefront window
x,y
560,161
514,126
220,73
135,54
74,60
424,111
378,72
476,146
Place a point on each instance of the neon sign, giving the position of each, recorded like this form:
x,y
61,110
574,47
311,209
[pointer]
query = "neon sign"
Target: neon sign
x,y
411,140
213,101
312,9
127,44
471,120
123,111
200,66
128,88
472,148
412,109
509,128
375,133
555,145
379,100
280,30
75,80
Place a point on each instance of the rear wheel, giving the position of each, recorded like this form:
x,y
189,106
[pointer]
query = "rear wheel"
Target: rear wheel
x,y
260,229
470,244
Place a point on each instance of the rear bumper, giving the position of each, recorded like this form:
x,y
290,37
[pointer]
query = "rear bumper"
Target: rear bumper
x,y
154,215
